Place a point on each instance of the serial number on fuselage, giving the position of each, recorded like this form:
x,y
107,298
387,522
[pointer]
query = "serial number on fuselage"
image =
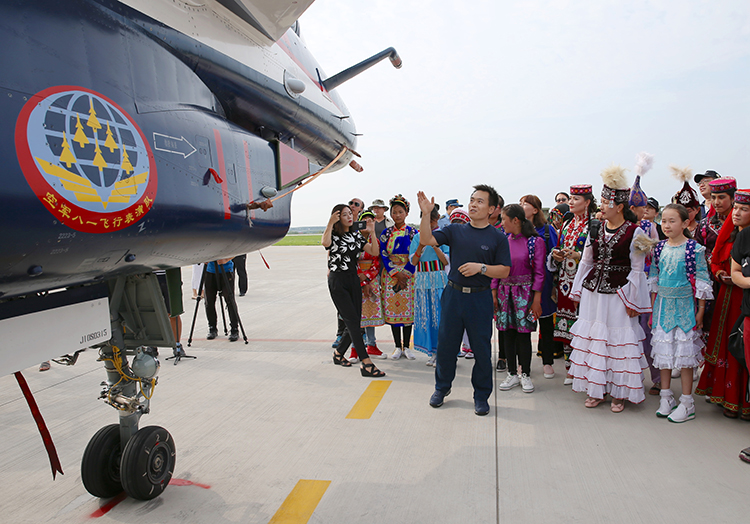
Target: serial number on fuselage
x,y
96,335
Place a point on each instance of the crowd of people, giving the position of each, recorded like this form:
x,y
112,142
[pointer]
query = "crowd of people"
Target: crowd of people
x,y
611,290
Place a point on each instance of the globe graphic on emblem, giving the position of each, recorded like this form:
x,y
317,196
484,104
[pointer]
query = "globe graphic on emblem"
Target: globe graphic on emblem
x,y
89,151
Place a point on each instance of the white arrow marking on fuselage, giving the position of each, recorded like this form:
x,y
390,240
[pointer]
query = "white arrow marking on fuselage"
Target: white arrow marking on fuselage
x,y
175,145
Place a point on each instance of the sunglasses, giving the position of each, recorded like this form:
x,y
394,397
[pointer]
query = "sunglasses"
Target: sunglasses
x,y
355,204
560,200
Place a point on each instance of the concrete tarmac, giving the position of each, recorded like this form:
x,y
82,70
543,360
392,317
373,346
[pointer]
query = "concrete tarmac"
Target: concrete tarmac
x,y
251,421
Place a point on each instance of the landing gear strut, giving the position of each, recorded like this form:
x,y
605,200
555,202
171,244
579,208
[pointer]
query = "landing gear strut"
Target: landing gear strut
x,y
120,456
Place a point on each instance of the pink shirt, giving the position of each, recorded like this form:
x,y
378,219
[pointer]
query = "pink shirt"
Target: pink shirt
x,y
520,263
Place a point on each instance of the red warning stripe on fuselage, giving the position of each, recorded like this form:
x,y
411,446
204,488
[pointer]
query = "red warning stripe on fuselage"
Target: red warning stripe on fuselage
x,y
223,173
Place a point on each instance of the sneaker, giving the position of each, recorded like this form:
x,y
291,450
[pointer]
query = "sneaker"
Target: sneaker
x,y
408,354
568,381
44,366
336,342
374,352
667,404
526,384
510,382
396,354
549,371
462,352
437,398
431,361
234,335
353,357
469,354
212,333
502,365
684,412
481,407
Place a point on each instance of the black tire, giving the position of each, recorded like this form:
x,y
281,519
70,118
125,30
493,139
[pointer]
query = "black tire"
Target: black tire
x,y
147,463
100,466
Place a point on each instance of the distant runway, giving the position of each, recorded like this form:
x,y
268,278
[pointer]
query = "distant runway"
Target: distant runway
x,y
272,431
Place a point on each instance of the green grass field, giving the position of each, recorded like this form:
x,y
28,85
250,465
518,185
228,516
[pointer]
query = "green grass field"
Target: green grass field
x,y
299,240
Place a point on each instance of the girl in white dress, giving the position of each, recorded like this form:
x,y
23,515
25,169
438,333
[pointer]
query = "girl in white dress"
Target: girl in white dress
x,y
607,357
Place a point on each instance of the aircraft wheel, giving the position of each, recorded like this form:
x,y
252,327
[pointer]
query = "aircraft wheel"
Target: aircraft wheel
x,y
100,466
147,463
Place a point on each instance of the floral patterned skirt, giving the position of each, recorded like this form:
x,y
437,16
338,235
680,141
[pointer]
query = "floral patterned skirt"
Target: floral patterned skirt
x,y
372,306
398,307
567,310
514,304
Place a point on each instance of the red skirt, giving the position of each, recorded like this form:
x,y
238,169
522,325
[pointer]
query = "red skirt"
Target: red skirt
x,y
724,380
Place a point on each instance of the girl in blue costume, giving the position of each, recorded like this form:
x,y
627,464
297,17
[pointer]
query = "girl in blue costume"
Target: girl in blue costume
x,y
678,277
429,284
397,284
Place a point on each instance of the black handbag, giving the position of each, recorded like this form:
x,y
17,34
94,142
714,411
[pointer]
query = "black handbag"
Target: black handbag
x,y
735,342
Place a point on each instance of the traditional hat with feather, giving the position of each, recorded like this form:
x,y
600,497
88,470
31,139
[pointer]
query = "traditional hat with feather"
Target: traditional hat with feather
x,y
643,163
687,196
616,189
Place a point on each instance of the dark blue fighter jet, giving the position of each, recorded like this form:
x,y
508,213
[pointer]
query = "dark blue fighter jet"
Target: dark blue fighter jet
x,y
138,135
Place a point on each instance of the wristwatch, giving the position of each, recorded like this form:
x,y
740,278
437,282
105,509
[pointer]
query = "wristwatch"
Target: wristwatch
x,y
484,269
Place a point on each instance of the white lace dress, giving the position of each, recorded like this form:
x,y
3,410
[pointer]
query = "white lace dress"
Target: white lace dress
x,y
676,340
607,355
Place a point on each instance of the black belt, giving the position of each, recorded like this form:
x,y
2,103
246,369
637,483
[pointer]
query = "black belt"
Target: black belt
x,y
463,289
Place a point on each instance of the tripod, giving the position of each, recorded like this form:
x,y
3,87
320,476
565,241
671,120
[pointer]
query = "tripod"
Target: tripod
x,y
230,301
178,354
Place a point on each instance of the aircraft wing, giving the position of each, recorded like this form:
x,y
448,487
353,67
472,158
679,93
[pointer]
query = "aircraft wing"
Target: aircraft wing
x,y
272,18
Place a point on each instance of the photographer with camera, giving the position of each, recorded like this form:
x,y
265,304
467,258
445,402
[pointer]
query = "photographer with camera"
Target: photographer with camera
x,y
344,244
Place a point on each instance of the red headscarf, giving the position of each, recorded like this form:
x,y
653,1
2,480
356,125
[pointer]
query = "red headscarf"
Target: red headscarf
x,y
723,248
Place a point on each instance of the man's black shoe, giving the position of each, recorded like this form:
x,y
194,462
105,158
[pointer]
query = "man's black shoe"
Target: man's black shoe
x,y
212,333
437,398
481,407
234,335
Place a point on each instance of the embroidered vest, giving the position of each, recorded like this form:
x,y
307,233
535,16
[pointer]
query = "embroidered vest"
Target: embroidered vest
x,y
690,267
611,260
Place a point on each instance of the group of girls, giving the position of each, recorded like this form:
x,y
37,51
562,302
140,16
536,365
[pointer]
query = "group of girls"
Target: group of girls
x,y
608,290
626,272
399,283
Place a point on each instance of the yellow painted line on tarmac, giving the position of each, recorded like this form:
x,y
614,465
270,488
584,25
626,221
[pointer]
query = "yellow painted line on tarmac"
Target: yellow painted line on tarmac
x,y
301,502
368,402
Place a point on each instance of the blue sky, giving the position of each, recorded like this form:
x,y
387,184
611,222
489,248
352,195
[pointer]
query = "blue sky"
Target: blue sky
x,y
532,96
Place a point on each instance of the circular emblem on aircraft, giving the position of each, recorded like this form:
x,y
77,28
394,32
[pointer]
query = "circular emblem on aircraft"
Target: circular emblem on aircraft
x,y
86,159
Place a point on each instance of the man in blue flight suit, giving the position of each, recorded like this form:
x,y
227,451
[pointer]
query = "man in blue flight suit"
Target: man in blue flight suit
x,y
478,253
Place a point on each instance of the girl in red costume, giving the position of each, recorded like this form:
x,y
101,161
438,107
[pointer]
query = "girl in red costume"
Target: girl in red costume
x,y
724,380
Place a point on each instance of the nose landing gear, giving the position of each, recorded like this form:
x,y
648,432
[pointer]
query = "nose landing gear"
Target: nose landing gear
x,y
143,469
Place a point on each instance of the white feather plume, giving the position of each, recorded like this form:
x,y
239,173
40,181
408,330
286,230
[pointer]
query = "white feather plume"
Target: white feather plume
x,y
614,177
683,174
643,243
643,163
